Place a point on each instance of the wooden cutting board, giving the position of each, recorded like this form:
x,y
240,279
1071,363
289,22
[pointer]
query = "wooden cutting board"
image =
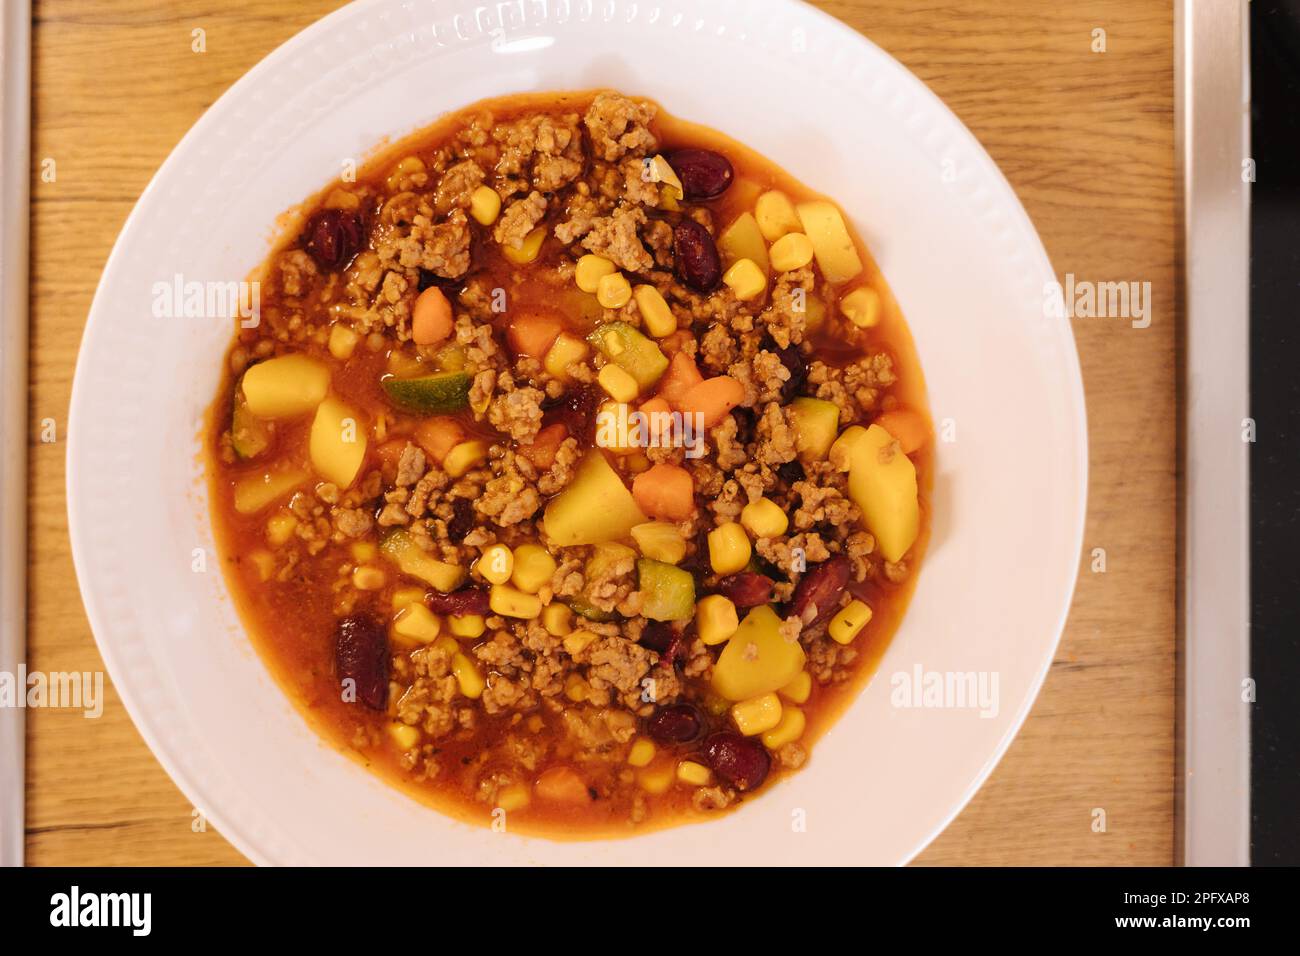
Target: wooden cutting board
x,y
1086,139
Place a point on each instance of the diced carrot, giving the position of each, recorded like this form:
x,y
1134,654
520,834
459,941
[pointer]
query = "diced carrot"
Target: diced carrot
x,y
654,409
672,343
546,443
905,425
681,377
439,435
533,333
665,491
712,398
563,785
431,318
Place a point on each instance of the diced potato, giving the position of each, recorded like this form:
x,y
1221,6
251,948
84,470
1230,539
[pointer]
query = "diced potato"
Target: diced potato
x,y
256,492
775,215
862,306
841,453
837,256
417,622
596,506
758,659
660,540
744,240
285,386
534,567
564,352
815,422
338,443
882,483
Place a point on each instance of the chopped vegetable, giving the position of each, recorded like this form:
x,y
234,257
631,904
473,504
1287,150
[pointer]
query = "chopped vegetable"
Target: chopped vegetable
x,y
545,444
907,426
712,398
630,350
595,506
563,785
815,424
255,492
757,715
249,435
464,456
337,445
665,491
584,608
758,659
533,333
400,548
667,592
744,240
661,541
836,254
438,436
431,320
564,352
681,377
285,386
882,483
439,393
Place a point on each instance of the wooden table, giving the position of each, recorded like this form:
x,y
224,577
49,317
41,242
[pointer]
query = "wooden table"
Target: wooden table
x,y
1085,137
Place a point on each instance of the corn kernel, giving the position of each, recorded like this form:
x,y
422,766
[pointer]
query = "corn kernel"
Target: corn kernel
x,y
729,548
693,774
496,564
590,270
846,625
655,780
764,518
798,690
342,199
862,306
757,715
366,578
533,568
405,596
529,250
404,735
511,602
514,797
279,528
468,677
668,199
792,251
418,623
566,350
660,541
716,704
658,318
463,457
343,342
556,619
466,625
575,688
447,645
776,216
614,291
716,619
578,641
745,279
484,205
787,731
363,551
613,345
264,563
642,752
618,382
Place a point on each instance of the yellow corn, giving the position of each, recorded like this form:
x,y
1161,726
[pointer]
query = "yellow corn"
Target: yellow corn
x,y
618,382
862,306
279,528
514,797
658,318
418,623
787,731
642,752
404,735
484,205
846,625
775,215
556,618
468,676
530,249
757,715
405,596
363,551
764,518
496,564
792,251
366,578
655,780
745,279
407,168
660,541
578,641
566,350
590,270
463,457
343,342
614,291
729,548
511,602
447,644
716,619
533,568
668,198
466,625
575,688
264,562
798,690
693,774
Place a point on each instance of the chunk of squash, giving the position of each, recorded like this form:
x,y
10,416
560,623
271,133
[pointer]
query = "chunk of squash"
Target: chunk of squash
x,y
595,507
743,240
255,492
823,224
758,658
882,483
399,547
338,443
285,386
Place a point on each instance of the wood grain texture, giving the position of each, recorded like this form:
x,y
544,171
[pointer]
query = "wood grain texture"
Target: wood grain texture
x,y
1085,138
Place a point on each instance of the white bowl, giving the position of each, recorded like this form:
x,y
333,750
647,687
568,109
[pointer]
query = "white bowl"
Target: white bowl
x,y
837,112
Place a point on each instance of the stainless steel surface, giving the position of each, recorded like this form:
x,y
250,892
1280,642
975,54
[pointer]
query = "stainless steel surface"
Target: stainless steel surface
x,y
1213,139
15,62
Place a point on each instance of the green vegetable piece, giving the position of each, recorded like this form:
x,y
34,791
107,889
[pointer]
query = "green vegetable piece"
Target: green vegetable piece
x,y
667,592
430,394
631,351
249,435
583,608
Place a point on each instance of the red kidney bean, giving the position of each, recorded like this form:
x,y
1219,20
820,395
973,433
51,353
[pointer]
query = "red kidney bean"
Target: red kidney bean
x,y
657,636
462,519
704,173
333,237
793,360
741,762
470,600
675,724
576,410
361,656
696,255
818,592
746,588
790,472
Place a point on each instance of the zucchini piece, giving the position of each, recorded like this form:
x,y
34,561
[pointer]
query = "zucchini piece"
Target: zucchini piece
x,y
249,435
667,592
631,351
435,394
584,608
399,547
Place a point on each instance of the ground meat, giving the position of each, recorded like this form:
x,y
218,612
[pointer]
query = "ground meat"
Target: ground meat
x,y
519,219
456,186
615,237
410,465
618,126
297,270
515,411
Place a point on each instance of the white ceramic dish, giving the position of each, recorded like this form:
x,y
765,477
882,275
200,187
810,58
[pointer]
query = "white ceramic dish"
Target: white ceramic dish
x,y
949,234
